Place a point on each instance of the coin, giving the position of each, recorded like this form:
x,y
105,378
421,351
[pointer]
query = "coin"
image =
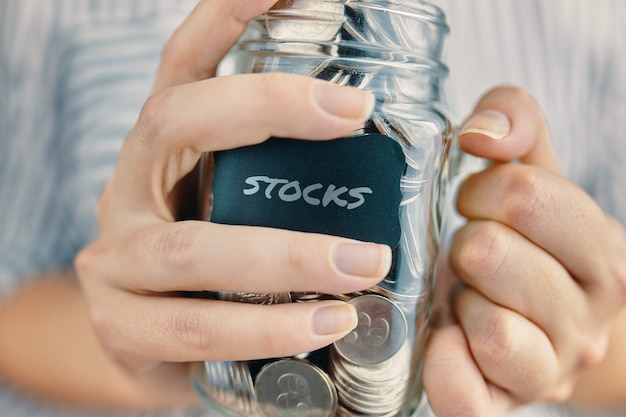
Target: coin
x,y
380,333
379,389
295,388
255,298
230,385
310,20
384,375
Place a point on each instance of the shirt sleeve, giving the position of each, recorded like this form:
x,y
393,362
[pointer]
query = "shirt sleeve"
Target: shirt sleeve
x,y
28,167
73,78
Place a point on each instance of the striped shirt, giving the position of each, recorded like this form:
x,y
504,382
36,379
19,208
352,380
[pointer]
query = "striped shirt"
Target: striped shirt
x,y
74,74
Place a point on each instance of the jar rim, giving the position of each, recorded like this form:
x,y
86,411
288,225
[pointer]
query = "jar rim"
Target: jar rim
x,y
425,11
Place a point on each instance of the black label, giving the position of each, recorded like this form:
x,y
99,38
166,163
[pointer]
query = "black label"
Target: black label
x,y
347,187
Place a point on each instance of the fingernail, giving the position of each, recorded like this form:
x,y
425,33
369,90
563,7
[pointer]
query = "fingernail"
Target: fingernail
x,y
346,102
362,259
490,123
338,318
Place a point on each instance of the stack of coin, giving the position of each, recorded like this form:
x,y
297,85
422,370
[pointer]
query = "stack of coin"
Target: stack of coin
x,y
230,384
369,366
374,390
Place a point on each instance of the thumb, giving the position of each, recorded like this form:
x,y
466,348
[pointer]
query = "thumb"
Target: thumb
x,y
195,49
507,124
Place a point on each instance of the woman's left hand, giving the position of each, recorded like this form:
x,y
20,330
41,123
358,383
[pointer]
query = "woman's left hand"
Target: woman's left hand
x,y
542,271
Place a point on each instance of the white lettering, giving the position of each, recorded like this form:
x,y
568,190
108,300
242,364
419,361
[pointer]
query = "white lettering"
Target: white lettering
x,y
290,191
273,183
295,194
306,194
358,194
332,194
254,182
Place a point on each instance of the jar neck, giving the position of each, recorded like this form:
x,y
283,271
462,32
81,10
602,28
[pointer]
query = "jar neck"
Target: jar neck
x,y
393,76
390,47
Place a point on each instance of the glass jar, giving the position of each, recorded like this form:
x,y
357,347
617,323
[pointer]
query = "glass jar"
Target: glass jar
x,y
386,185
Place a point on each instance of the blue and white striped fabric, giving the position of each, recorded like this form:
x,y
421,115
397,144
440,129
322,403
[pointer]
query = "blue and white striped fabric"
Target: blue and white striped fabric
x,y
571,55
74,74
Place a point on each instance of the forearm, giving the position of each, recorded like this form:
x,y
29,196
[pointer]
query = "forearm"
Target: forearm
x,y
48,348
603,386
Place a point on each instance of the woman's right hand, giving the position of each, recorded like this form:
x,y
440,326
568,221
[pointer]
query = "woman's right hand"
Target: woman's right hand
x,y
133,272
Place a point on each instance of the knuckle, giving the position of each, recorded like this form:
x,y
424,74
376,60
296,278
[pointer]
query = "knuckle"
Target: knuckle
x,y
525,198
176,246
492,345
194,330
273,88
269,344
486,249
83,262
561,393
593,351
151,116
88,262
117,347
104,205
614,264
296,258
106,333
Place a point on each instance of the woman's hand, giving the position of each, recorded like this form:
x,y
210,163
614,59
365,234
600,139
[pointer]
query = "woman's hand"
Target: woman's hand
x,y
142,258
543,272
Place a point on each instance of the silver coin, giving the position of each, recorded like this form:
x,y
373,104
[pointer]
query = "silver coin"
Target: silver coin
x,y
229,384
409,304
374,406
255,298
349,296
305,297
373,389
244,387
310,20
384,376
380,333
301,297
295,388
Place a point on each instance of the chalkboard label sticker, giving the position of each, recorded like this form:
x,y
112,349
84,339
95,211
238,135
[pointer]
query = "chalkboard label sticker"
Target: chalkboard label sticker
x,y
346,187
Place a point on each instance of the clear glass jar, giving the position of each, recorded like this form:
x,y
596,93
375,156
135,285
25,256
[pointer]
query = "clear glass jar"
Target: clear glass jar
x,y
392,48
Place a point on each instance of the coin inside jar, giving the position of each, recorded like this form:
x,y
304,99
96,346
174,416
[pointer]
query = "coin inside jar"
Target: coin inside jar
x,y
295,388
380,333
255,298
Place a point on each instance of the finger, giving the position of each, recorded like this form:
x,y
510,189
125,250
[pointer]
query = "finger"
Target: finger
x,y
548,210
184,329
511,271
446,280
197,46
177,125
450,372
507,124
183,255
510,351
